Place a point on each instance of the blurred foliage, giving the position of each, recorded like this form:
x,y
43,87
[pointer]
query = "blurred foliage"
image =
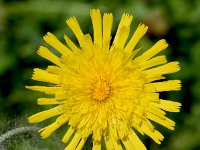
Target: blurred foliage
x,y
24,22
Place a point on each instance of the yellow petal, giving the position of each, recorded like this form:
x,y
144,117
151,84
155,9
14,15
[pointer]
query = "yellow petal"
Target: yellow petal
x,y
156,111
128,145
46,131
47,54
107,27
168,105
96,146
55,43
136,141
120,40
68,134
74,26
41,116
88,47
43,75
138,34
97,26
131,55
123,30
57,70
74,142
80,145
168,68
158,47
158,60
163,86
48,101
166,122
97,135
45,89
111,143
71,44
155,135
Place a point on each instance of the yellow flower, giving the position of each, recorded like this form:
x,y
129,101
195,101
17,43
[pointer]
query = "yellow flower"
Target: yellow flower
x,y
102,89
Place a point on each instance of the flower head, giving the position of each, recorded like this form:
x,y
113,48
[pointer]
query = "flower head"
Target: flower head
x,y
102,89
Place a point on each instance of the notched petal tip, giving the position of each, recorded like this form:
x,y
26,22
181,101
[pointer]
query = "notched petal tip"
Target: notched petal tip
x,y
179,84
71,20
95,10
144,27
107,14
163,42
47,35
127,15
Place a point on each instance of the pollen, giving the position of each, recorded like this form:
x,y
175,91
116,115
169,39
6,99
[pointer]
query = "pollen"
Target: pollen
x,y
101,90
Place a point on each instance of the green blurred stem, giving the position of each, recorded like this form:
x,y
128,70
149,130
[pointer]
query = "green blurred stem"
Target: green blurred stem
x,y
16,131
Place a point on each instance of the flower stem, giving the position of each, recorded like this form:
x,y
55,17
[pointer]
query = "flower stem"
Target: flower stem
x,y
16,131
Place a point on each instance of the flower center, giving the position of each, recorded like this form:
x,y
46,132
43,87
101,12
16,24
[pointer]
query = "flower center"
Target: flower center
x,y
101,90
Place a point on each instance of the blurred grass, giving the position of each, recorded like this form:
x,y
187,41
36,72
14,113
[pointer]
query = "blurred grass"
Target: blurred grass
x,y
24,22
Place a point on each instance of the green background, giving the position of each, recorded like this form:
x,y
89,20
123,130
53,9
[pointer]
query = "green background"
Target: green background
x,y
23,24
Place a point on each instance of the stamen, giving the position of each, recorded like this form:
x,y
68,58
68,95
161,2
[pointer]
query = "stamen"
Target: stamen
x,y
101,90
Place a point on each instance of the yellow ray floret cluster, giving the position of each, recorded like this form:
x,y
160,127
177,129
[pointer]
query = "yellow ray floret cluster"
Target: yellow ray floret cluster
x,y
99,88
